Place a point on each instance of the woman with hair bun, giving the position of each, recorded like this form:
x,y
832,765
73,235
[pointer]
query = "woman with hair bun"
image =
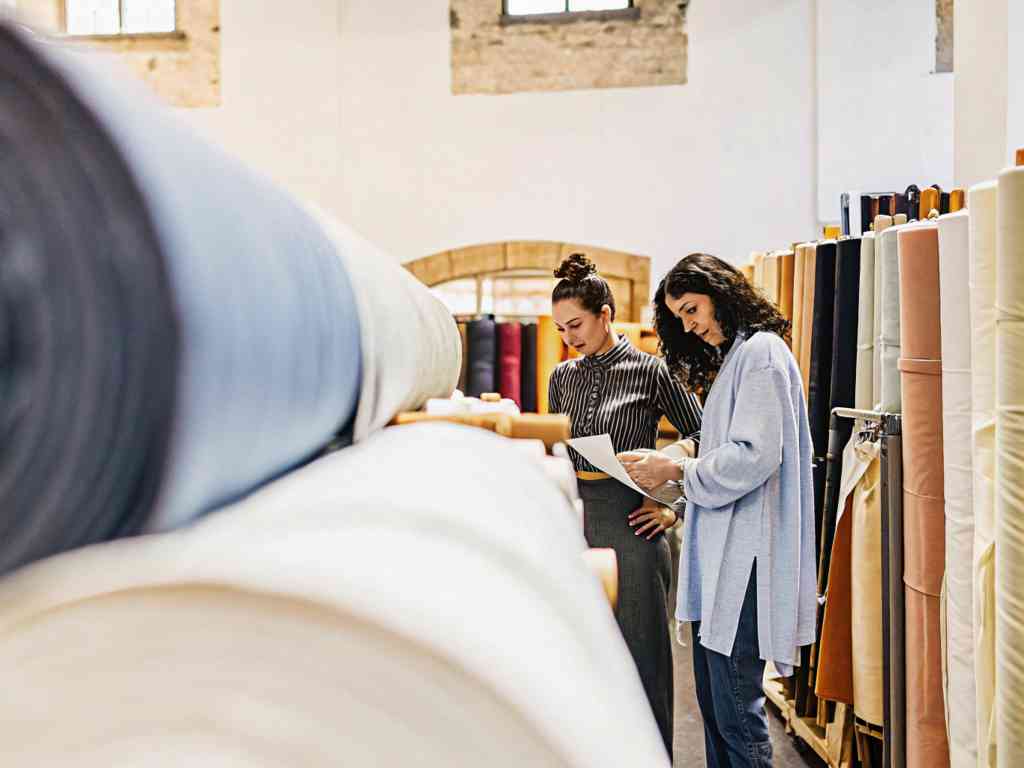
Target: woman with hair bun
x,y
617,389
747,566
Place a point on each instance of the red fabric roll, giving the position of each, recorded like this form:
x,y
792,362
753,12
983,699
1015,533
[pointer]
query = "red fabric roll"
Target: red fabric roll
x,y
510,361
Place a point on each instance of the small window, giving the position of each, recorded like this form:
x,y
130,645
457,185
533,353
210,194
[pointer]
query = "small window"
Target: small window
x,y
530,7
119,17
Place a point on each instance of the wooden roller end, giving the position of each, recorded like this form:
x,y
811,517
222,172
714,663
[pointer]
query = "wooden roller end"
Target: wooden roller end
x,y
604,564
1019,159
550,427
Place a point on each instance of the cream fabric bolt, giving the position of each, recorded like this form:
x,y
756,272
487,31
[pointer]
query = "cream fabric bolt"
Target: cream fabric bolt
x,y
982,207
410,343
954,287
881,224
865,324
335,617
888,340
771,277
1009,574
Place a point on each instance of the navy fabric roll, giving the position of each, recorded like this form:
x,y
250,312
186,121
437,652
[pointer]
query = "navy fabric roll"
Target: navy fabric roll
x,y
528,384
820,380
176,330
483,351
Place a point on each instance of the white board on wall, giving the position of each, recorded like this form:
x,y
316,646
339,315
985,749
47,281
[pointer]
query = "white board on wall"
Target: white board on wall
x,y
885,119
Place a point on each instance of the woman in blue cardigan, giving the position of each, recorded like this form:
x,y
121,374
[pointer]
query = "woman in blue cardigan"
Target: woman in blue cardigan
x,y
747,568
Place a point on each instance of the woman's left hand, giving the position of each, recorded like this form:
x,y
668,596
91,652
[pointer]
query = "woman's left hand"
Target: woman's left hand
x,y
652,517
649,469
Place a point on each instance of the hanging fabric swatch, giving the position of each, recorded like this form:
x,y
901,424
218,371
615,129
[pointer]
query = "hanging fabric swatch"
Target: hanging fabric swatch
x,y
920,365
483,356
550,351
528,380
306,600
888,341
882,223
982,206
464,368
510,352
176,307
865,324
799,261
954,285
1009,706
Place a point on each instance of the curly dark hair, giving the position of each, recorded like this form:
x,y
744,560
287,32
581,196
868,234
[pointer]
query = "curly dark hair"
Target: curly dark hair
x,y
738,306
579,280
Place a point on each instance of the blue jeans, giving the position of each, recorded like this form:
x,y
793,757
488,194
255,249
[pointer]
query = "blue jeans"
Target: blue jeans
x,y
730,693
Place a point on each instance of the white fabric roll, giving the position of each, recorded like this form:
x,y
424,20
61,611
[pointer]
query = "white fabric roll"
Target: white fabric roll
x,y
888,340
865,323
410,342
771,278
881,224
1009,582
348,614
982,206
954,288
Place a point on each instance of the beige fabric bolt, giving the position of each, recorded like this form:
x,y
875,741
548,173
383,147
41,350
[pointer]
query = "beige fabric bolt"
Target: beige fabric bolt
x,y
865,324
1009,534
881,224
807,318
982,207
888,341
954,287
799,256
786,266
771,278
757,259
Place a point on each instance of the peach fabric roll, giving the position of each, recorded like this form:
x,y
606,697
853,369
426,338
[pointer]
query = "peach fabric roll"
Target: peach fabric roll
x,y
549,355
954,287
865,324
1009,576
982,206
786,266
799,257
807,317
920,365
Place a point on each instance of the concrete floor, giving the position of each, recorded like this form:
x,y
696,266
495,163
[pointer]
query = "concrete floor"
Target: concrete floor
x,y
688,738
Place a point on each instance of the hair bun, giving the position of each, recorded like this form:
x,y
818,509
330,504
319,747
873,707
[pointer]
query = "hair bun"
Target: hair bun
x,y
575,268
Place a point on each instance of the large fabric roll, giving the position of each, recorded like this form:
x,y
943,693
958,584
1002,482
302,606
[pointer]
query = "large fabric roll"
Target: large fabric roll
x,y
866,585
865,324
464,368
164,307
954,279
528,380
786,267
166,636
799,262
888,341
982,206
923,503
881,224
822,327
510,356
772,275
549,355
748,272
1009,706
845,329
757,259
483,356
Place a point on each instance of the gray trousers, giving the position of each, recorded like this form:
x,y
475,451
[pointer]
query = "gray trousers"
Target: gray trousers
x,y
645,577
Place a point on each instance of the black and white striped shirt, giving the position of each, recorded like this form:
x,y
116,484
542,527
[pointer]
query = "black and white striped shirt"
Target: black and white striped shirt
x,y
623,393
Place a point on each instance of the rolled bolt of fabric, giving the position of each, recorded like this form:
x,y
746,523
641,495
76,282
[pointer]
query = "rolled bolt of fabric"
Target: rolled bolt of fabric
x,y
510,354
982,206
954,304
482,356
786,275
551,428
528,371
799,257
807,317
881,224
865,324
888,341
1009,575
550,352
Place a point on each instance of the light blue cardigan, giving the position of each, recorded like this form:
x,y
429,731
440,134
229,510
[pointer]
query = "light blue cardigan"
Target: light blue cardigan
x,y
750,497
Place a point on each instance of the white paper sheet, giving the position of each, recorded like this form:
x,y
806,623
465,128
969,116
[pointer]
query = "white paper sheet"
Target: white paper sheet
x,y
598,450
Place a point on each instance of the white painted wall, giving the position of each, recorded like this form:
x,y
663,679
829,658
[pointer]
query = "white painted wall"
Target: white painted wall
x,y
885,120
1015,79
722,164
982,85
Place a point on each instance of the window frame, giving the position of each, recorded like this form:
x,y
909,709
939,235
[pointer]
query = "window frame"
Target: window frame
x,y
631,12
175,34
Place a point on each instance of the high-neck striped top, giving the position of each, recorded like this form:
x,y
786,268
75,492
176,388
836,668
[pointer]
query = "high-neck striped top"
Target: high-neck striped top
x,y
623,393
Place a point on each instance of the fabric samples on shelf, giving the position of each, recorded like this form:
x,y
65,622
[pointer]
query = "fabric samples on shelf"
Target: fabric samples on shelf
x,y
954,287
510,356
1009,491
920,367
887,302
482,356
528,371
549,355
865,324
982,206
